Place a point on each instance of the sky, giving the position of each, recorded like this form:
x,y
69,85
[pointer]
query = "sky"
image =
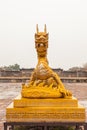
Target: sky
x,y
66,22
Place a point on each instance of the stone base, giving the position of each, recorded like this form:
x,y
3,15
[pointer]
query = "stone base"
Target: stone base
x,y
26,110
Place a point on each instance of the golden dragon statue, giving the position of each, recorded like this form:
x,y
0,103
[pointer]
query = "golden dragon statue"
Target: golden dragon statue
x,y
44,82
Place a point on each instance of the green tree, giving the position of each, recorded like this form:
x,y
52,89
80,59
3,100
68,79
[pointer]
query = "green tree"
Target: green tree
x,y
14,67
75,68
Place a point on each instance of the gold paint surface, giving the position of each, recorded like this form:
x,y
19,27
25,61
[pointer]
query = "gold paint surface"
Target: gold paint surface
x,y
52,102
44,82
45,113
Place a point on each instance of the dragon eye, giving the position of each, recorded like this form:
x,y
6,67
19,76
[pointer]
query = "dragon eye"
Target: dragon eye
x,y
36,35
38,45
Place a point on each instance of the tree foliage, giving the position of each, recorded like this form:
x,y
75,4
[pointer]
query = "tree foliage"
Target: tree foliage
x,y
14,67
75,68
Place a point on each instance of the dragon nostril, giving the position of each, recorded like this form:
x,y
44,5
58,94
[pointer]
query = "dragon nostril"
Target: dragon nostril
x,y
40,45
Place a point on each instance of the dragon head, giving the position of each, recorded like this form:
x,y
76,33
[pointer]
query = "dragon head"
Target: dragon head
x,y
41,42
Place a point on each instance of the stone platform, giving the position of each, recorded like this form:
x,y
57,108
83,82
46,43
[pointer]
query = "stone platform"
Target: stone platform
x,y
62,110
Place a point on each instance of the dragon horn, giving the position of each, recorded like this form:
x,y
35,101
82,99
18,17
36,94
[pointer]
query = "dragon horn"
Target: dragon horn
x,y
37,30
45,30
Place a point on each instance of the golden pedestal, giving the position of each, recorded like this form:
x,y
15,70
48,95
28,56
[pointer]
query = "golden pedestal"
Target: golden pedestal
x,y
35,110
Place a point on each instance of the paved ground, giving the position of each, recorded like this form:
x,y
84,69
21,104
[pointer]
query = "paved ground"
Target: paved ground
x,y
8,91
